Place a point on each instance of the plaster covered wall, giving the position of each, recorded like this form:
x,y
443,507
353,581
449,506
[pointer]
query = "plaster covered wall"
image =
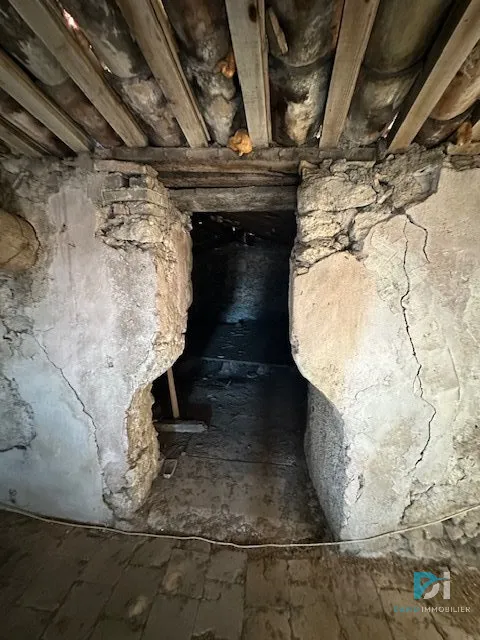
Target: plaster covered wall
x,y
385,303
83,334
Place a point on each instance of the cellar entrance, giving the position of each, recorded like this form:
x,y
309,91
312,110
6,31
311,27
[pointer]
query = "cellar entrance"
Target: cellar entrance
x,y
236,468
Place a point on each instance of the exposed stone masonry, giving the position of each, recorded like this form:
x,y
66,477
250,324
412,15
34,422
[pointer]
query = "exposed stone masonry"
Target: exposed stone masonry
x,y
340,201
384,325
84,333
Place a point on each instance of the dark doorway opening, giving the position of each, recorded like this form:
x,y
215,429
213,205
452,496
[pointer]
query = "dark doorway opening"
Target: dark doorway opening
x,y
245,477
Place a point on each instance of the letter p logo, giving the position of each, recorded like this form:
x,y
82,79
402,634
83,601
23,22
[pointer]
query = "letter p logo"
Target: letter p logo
x,y
422,580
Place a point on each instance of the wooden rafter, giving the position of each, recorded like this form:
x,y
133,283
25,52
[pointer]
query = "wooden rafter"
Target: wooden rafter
x,y
246,19
355,29
45,21
17,141
149,24
476,132
455,41
17,83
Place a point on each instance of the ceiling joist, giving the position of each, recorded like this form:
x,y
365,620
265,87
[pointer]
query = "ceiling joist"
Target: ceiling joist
x,y
17,141
17,83
45,21
149,24
355,28
455,41
246,19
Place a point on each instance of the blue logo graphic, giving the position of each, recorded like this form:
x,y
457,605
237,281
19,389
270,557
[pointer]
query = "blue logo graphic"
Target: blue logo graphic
x,y
423,580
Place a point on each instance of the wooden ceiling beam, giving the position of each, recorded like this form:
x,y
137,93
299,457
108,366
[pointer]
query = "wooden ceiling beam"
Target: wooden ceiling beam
x,y
17,141
246,19
48,25
18,84
235,199
355,29
452,46
221,159
150,26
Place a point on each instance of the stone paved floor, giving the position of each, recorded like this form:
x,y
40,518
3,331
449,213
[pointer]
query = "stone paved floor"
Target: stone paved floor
x,y
245,479
67,583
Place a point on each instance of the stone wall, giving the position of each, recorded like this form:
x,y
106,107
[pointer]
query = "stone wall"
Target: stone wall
x,y
385,304
236,281
84,333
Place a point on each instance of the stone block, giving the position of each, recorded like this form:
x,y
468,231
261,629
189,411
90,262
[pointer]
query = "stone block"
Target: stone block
x,y
127,168
270,624
22,623
155,552
110,559
227,566
51,584
158,197
113,629
133,595
115,181
267,583
174,616
185,573
77,616
220,612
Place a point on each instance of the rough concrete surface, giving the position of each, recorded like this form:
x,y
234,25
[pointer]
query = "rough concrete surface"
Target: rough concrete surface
x,y
61,582
84,333
385,327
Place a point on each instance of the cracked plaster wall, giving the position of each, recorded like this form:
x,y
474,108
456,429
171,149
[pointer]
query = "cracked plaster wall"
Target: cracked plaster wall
x,y
385,308
84,333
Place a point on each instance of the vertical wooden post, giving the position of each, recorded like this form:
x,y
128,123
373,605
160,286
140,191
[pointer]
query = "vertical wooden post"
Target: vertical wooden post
x,y
173,394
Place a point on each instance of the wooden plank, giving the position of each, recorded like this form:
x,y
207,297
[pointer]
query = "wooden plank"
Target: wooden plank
x,y
218,160
49,26
185,426
149,24
173,394
476,132
246,19
453,44
17,141
191,180
355,28
238,199
18,84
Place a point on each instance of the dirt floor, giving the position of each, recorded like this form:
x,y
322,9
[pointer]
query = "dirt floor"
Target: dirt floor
x,y
59,582
245,479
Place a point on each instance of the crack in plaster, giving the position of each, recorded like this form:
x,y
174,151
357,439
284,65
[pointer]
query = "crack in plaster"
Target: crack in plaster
x,y
84,409
414,352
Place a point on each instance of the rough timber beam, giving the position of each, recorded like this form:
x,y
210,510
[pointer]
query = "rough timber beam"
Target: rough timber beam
x,y
46,22
17,83
235,199
454,43
355,28
149,24
17,141
246,19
